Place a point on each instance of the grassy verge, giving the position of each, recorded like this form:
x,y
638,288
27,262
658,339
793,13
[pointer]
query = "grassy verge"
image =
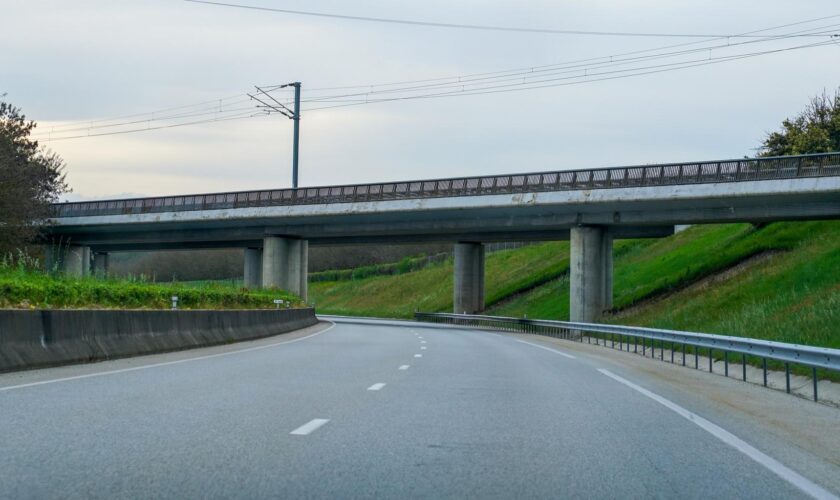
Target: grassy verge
x,y
22,288
792,296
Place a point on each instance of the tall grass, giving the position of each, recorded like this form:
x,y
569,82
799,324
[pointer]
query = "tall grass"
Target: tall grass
x,y
22,285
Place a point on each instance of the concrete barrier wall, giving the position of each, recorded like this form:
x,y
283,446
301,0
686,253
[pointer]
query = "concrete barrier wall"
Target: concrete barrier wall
x,y
40,338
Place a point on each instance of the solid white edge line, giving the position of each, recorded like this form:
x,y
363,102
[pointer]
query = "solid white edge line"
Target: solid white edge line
x,y
803,484
376,387
555,351
165,363
310,427
404,367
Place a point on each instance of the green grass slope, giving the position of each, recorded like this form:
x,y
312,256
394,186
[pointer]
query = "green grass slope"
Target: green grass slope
x,y
430,289
781,281
792,294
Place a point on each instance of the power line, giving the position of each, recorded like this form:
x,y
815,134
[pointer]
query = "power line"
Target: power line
x,y
456,25
205,104
582,79
515,75
159,127
478,83
610,57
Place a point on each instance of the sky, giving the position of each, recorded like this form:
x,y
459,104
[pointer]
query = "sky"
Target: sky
x,y
67,64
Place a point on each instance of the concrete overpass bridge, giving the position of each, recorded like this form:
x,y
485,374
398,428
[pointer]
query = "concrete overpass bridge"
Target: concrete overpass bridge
x,y
589,207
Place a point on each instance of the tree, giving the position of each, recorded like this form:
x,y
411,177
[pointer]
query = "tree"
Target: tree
x,y
814,130
30,179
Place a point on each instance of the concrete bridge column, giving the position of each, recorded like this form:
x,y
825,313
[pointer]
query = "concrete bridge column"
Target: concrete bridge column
x,y
285,264
468,294
100,264
72,260
253,267
591,273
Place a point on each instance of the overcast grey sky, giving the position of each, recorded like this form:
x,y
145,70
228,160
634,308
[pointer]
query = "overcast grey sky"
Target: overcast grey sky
x,y
68,61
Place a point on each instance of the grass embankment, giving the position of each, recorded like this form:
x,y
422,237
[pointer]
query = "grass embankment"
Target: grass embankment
x,y
430,289
22,288
779,282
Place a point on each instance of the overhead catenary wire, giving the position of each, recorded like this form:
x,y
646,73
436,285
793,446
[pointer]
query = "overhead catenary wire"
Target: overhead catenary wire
x,y
575,64
250,114
610,57
474,84
479,27
581,79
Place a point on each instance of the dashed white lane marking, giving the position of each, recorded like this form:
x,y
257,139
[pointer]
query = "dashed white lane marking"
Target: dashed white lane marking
x,y
404,367
800,482
376,387
418,355
422,341
422,348
555,351
310,427
158,365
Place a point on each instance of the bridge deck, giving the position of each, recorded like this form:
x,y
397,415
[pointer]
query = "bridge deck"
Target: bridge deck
x,y
719,171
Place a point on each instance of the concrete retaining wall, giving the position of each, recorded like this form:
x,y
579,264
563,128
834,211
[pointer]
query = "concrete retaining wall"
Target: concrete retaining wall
x,y
33,339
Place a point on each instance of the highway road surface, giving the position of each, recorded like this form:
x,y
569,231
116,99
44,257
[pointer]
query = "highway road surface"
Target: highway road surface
x,y
395,410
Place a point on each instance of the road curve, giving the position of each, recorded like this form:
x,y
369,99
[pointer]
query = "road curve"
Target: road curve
x,y
362,410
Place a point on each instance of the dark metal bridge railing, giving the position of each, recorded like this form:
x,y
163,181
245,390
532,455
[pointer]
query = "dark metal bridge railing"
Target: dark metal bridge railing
x,y
751,169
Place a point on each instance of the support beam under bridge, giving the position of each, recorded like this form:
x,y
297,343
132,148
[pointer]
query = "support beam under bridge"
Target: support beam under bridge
x,y
70,260
468,294
253,268
591,270
285,263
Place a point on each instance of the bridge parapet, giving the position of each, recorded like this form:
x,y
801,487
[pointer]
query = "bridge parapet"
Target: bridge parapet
x,y
704,172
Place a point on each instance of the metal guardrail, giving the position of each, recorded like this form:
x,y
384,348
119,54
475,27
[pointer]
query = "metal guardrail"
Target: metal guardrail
x,y
737,170
651,338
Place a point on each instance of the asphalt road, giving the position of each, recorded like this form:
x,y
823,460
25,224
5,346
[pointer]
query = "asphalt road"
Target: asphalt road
x,y
375,410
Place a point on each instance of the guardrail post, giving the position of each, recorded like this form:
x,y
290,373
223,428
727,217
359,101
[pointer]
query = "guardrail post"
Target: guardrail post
x,y
816,381
787,377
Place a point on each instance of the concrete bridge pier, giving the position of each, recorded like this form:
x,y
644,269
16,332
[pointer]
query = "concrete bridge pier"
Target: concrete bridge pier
x,y
591,271
468,294
100,264
285,264
71,260
253,267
